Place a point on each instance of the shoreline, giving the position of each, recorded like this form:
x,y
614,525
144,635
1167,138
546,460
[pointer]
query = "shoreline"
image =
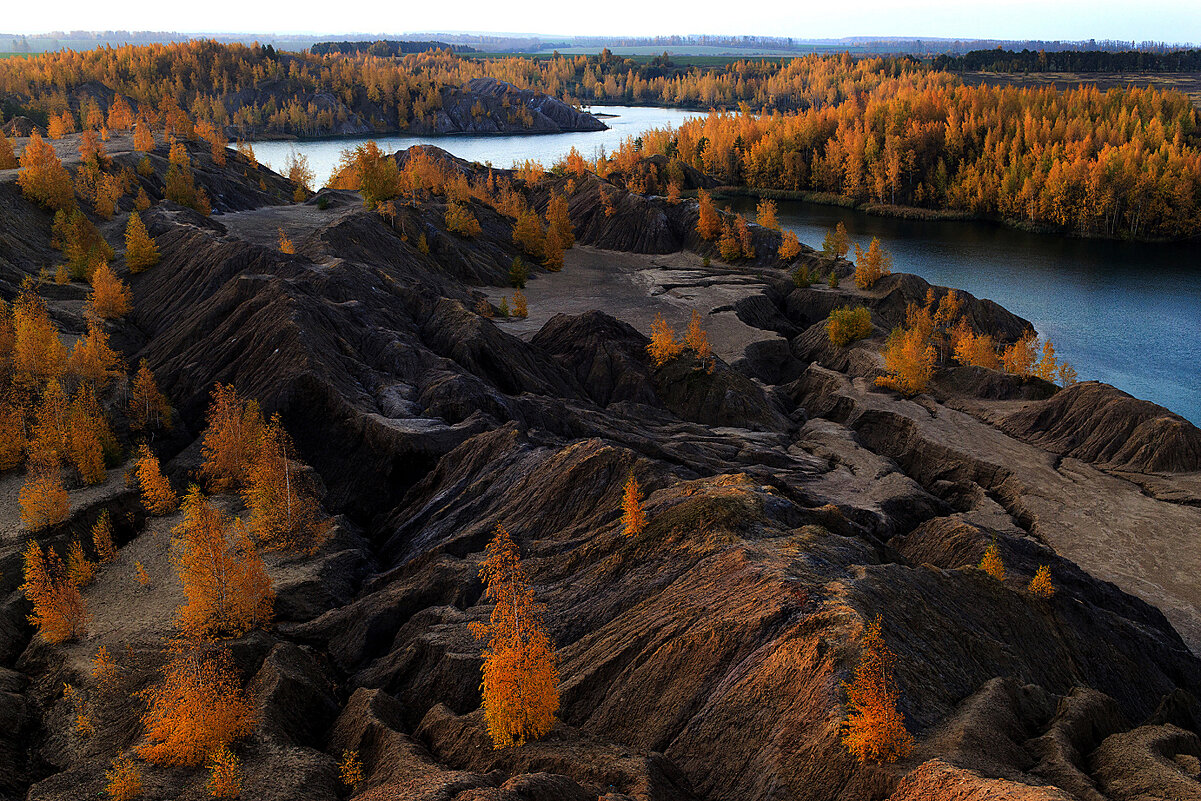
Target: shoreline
x,y
929,215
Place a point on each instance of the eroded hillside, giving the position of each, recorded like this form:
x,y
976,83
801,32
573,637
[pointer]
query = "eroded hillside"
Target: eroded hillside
x,y
790,501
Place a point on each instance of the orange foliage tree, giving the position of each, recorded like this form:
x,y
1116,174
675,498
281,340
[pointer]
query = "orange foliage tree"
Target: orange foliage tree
x,y
663,346
697,341
836,242
123,779
528,233
141,252
1041,585
909,359
633,517
92,361
8,157
59,611
110,298
225,774
765,214
231,438
102,538
284,510
558,219
790,247
43,178
708,223
148,407
43,497
224,580
871,266
38,354
520,673
991,563
157,495
199,709
875,729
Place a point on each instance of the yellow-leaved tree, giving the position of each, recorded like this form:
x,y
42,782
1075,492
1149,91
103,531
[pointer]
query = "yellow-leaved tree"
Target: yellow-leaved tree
x,y
141,252
520,673
59,611
157,495
875,729
226,585
284,509
633,516
231,438
199,709
43,178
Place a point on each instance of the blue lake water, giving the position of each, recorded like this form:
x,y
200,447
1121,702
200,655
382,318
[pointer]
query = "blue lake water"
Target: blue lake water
x,y
1128,314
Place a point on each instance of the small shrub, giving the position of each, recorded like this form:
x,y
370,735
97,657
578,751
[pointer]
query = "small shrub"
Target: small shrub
x,y
519,272
992,563
846,325
323,202
1041,586
801,277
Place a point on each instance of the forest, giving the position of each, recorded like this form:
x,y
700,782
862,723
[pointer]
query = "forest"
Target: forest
x,y
1072,61
1120,163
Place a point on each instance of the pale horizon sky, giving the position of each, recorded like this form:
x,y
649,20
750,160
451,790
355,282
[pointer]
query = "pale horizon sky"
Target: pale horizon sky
x,y
1173,21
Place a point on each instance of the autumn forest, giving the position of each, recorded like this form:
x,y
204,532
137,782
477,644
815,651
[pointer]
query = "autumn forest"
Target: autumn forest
x,y
1125,163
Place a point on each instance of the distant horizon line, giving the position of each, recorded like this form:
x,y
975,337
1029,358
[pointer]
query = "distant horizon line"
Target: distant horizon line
x,y
551,38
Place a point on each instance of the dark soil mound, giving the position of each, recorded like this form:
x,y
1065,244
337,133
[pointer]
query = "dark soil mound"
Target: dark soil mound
x,y
1100,424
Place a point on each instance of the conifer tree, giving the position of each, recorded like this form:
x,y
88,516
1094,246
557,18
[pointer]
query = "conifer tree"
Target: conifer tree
x,y
43,497
143,137
528,233
110,298
199,709
59,611
80,569
225,774
285,243
224,580
157,495
13,439
43,178
875,730
120,116
765,214
141,251
92,361
86,433
520,673
148,407
708,223
38,354
124,779
558,219
697,341
633,517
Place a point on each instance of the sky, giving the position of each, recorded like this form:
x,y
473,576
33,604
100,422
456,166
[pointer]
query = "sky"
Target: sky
x,y
1158,20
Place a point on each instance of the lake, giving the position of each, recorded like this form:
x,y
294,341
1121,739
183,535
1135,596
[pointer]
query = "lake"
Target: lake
x,y
1127,314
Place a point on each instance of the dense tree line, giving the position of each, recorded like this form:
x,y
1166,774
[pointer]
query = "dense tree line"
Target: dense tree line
x,y
1072,61
1120,163
383,48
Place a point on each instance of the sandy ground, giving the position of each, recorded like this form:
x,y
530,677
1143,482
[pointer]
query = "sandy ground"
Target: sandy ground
x,y
635,287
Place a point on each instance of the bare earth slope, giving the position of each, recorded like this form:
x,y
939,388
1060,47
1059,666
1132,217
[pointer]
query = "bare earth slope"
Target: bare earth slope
x,y
789,503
